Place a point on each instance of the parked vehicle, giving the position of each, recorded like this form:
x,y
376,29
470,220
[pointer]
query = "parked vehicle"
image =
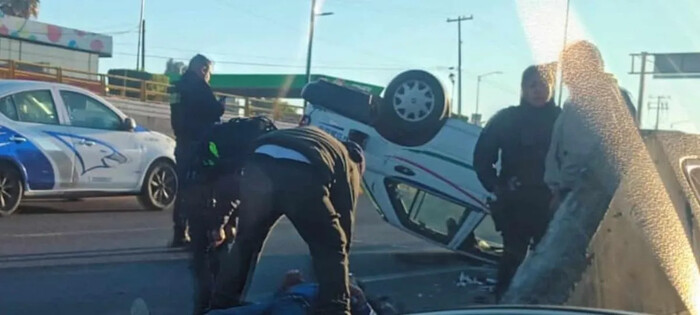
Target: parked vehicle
x,y
62,141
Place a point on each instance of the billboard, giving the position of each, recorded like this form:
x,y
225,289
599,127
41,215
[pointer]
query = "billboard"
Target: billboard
x,y
43,33
677,65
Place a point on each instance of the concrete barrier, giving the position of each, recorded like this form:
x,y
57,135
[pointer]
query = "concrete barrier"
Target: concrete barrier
x,y
156,116
623,271
619,240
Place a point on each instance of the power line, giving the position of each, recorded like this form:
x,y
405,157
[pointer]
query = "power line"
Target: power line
x,y
423,11
356,67
288,29
279,65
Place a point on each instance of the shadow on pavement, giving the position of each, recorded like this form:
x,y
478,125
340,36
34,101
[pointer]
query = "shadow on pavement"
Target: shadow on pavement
x,y
89,253
55,209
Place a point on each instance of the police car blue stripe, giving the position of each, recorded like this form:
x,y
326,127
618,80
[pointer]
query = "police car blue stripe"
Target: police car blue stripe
x,y
34,164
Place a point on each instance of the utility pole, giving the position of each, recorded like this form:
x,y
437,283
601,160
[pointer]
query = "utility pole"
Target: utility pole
x,y
661,104
139,49
459,20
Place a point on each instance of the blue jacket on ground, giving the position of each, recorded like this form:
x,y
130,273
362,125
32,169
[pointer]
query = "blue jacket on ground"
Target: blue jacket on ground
x,y
295,301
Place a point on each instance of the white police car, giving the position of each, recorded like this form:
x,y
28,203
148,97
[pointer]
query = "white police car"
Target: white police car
x,y
62,141
419,160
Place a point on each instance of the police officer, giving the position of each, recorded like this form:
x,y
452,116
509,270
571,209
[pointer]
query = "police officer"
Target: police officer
x,y
521,134
313,179
194,110
211,187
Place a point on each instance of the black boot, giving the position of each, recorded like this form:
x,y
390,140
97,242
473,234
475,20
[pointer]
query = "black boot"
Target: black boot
x,y
180,237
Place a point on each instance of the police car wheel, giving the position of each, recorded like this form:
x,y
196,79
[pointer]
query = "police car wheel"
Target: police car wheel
x,y
11,189
159,187
413,110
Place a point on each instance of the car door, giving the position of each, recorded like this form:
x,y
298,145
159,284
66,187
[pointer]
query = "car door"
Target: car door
x,y
108,156
407,200
48,163
430,214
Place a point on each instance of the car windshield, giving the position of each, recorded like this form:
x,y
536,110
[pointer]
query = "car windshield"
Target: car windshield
x,y
406,156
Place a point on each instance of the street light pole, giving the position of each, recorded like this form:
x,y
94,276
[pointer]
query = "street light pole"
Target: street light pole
x,y
459,58
141,39
640,100
478,86
311,42
312,24
566,33
452,79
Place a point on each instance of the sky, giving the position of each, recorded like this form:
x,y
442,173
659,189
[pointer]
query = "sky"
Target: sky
x,y
374,40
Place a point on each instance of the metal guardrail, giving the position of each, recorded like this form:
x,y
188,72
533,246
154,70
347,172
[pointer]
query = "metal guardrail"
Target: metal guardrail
x,y
149,91
161,111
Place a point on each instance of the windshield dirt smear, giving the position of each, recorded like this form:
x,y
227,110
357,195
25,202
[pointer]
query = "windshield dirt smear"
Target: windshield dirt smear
x,y
620,167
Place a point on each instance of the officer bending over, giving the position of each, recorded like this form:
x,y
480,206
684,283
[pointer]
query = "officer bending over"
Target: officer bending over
x,y
211,187
313,179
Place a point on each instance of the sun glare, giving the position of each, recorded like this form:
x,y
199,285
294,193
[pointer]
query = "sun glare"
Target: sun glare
x,y
543,23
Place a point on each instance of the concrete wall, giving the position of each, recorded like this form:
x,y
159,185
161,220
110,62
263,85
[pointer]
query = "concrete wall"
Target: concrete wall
x,y
156,116
668,157
623,272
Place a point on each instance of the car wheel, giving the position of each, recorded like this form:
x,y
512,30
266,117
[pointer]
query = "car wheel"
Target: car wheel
x,y
352,104
413,110
159,187
11,189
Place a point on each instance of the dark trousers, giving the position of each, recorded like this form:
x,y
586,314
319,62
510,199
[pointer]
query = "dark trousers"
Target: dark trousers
x,y
274,187
184,153
204,265
525,220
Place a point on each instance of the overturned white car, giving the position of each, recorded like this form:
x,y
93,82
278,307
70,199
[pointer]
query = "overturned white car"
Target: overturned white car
x,y
419,161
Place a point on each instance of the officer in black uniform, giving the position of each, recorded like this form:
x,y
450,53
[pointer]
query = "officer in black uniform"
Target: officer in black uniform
x,y
313,179
521,134
193,111
211,186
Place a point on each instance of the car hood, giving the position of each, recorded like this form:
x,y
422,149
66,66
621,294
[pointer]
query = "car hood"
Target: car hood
x,y
161,138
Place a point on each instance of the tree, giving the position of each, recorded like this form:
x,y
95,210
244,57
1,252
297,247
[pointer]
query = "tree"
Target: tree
x,y
174,68
20,8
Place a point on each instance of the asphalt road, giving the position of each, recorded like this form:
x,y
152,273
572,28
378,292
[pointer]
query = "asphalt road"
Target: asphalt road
x,y
98,255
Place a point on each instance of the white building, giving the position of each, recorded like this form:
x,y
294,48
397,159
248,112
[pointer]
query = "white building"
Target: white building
x,y
51,45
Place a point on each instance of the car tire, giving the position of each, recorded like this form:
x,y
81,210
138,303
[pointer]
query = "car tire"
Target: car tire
x,y
413,110
11,189
159,188
352,104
